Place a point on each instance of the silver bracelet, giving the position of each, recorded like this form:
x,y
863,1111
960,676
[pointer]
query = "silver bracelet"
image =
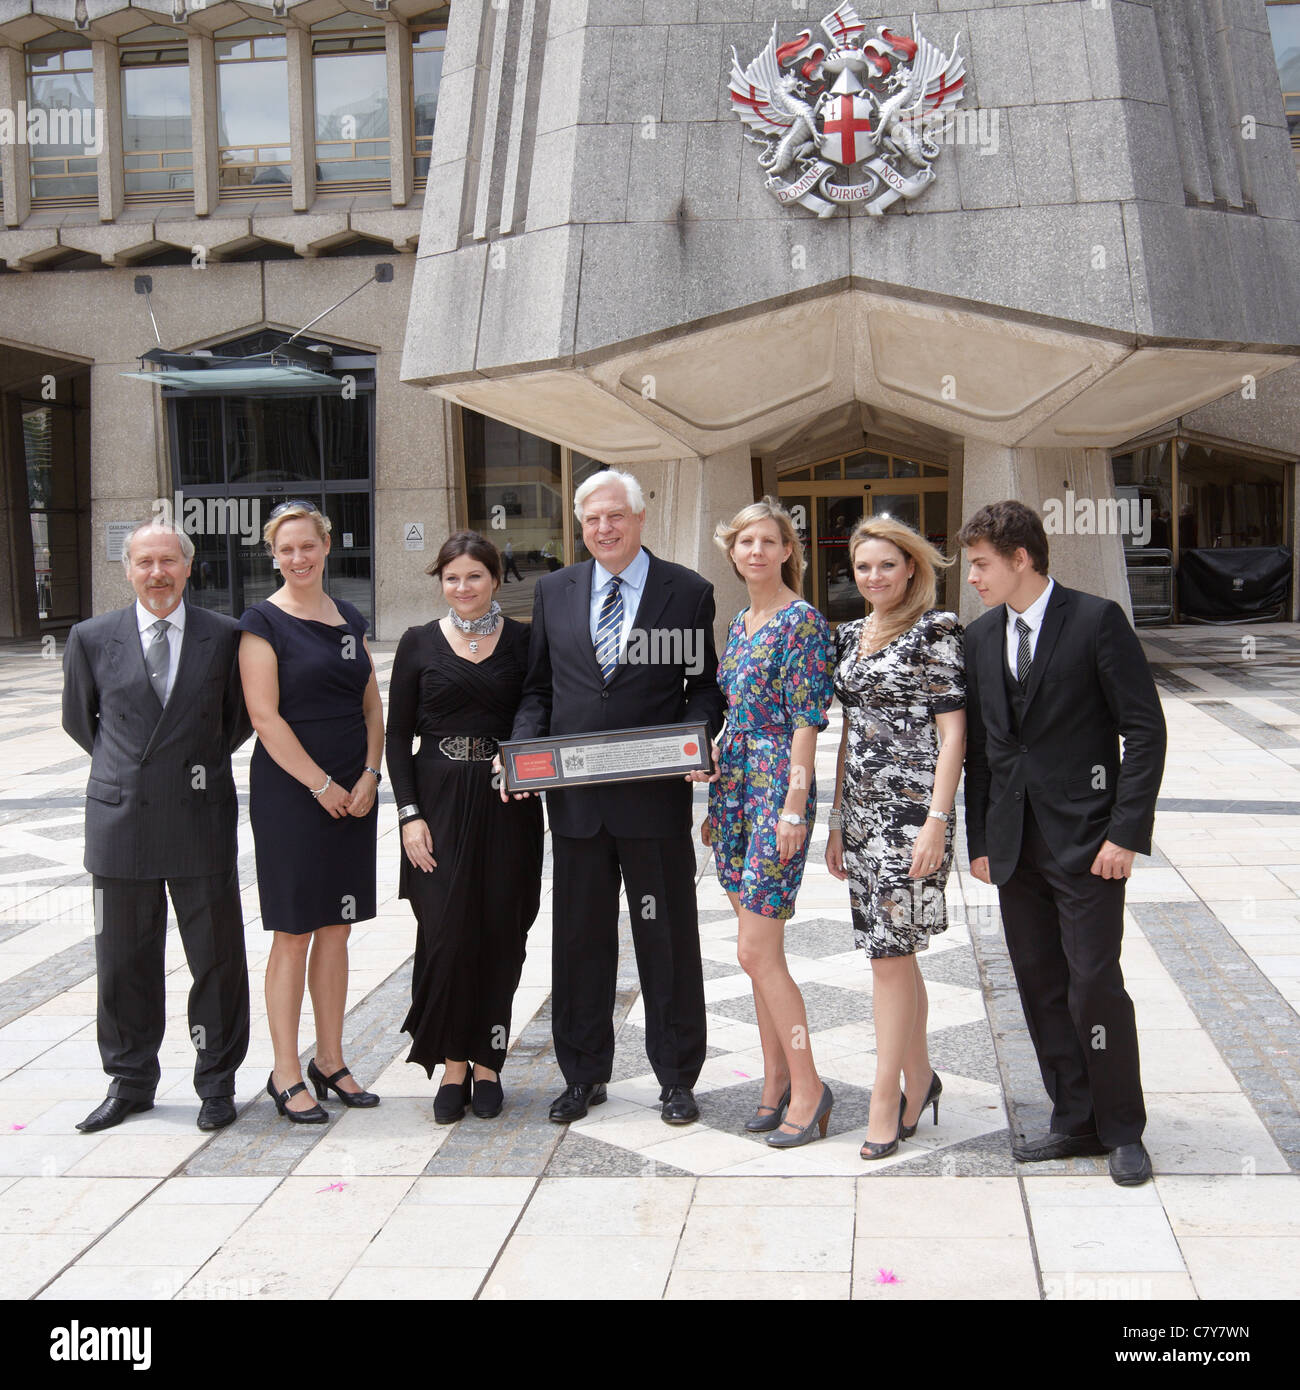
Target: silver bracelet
x,y
835,818
411,812
324,789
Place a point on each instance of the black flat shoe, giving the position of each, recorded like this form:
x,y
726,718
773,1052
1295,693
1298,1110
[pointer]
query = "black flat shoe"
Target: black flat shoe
x,y
678,1106
452,1100
488,1099
1049,1146
315,1116
931,1098
576,1100
1130,1165
112,1111
216,1112
359,1100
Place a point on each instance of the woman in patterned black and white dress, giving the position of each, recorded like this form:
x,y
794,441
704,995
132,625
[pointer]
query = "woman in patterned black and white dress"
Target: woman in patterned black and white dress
x,y
900,676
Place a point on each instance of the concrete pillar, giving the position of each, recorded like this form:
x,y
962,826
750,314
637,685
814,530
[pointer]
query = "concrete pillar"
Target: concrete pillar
x,y
15,166
203,124
302,116
401,126
108,102
990,473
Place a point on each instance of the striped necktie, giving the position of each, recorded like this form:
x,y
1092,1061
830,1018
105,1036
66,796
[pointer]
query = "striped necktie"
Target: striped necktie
x,y
609,630
158,660
1023,658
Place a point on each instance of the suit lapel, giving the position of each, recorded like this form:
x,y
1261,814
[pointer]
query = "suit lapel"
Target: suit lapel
x,y
126,652
1053,622
993,690
578,603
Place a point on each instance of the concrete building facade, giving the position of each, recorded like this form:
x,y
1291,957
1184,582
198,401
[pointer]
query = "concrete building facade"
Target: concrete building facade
x,y
1092,304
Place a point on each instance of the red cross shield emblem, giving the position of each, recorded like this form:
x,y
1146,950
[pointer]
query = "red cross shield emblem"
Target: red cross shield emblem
x,y
847,128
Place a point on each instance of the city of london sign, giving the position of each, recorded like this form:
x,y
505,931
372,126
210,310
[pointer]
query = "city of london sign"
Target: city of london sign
x,y
847,121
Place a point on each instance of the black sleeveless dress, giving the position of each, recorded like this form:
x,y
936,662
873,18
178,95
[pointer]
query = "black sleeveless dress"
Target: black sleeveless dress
x,y
475,908
312,870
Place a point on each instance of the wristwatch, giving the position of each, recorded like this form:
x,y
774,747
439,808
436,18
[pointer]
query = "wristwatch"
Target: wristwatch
x,y
790,818
378,776
939,815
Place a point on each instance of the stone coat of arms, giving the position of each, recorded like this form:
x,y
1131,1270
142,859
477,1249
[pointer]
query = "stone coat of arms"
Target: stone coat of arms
x,y
848,120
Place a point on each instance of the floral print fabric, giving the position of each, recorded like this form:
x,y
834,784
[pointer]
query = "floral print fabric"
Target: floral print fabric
x,y
890,698
775,683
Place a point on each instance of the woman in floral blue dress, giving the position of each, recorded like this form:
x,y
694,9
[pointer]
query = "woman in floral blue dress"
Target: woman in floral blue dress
x,y
776,674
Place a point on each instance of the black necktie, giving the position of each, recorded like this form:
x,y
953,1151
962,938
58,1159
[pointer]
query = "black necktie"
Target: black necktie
x,y
1023,658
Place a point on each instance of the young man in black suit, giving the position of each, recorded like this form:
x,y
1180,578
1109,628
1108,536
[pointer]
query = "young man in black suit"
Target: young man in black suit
x,y
1054,816
621,641
152,693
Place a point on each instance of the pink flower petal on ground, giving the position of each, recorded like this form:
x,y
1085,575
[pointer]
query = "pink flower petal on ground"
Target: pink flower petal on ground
x,y
17,1126
887,1276
333,1187
745,1074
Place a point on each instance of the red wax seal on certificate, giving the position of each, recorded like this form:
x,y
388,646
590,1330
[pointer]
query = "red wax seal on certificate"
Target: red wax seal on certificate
x,y
690,748
531,766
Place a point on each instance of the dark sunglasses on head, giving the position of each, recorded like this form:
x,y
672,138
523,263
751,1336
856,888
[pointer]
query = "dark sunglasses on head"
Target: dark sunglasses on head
x,y
298,504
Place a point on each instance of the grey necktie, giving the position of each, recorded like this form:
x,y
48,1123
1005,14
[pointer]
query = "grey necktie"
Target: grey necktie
x,y
158,660
1023,659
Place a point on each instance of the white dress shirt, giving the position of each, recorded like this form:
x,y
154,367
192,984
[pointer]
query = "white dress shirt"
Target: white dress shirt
x,y
175,633
1033,616
634,578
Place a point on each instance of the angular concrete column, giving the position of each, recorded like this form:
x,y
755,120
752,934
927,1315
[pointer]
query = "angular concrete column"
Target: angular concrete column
x,y
15,166
108,102
302,116
203,125
401,126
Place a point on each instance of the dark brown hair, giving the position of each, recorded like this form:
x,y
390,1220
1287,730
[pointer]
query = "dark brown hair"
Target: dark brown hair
x,y
1008,526
467,543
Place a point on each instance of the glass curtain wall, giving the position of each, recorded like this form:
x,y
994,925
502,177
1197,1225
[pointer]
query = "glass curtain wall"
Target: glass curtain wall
x,y
253,108
157,140
64,129
351,85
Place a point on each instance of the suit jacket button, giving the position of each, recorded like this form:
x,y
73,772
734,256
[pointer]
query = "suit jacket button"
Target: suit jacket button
x,y
1023,749
604,694
1018,795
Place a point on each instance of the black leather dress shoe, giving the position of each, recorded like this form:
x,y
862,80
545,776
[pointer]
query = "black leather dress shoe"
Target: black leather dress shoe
x,y
1130,1165
216,1112
679,1107
112,1112
573,1104
1049,1146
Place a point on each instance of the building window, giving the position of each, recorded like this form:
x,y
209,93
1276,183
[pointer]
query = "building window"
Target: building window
x,y
157,144
426,74
253,108
350,72
64,131
1284,23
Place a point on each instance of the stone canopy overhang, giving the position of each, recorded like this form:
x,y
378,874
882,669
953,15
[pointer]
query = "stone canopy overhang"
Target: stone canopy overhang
x,y
757,378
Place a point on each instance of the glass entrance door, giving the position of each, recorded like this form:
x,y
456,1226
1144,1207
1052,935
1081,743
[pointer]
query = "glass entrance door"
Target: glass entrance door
x,y
828,499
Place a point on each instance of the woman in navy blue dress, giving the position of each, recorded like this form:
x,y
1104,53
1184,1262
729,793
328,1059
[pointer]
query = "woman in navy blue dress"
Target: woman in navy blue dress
x,y
311,692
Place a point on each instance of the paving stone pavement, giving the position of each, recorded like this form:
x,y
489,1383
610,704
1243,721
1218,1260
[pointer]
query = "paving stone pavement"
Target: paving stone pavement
x,y
385,1204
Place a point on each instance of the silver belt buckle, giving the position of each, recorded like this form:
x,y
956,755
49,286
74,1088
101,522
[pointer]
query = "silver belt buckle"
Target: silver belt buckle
x,y
457,748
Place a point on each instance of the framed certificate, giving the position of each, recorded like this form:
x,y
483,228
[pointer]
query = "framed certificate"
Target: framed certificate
x,y
616,755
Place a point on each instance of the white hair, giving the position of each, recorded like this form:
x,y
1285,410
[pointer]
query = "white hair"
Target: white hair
x,y
606,477
156,524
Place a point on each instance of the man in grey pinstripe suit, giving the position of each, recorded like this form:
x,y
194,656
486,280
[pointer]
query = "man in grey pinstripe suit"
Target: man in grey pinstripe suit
x,y
152,693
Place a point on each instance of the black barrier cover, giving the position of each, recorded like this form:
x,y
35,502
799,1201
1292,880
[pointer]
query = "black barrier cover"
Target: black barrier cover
x,y
1234,583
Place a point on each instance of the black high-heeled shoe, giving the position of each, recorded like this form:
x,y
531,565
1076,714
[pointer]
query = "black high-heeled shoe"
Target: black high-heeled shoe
x,y
870,1150
360,1100
315,1116
931,1098
453,1098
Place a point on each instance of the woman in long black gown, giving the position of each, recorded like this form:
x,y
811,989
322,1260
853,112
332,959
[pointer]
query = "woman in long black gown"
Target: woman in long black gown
x,y
471,864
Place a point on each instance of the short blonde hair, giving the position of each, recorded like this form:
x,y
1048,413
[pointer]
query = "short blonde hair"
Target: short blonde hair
x,y
769,509
927,561
294,512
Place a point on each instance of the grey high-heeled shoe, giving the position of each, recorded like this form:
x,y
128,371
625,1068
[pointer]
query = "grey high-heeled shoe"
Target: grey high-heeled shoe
x,y
759,1123
821,1118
